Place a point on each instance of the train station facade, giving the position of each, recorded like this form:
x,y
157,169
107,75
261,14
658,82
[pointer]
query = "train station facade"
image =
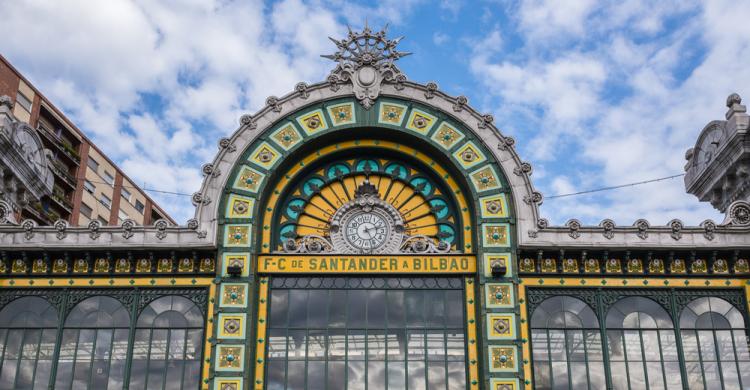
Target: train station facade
x,y
369,232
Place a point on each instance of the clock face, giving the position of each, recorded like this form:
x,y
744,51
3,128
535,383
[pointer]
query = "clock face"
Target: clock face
x,y
366,231
709,147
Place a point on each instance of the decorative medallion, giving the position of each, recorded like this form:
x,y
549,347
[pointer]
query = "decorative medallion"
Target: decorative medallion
x,y
286,136
3,267
502,358
206,265
143,265
80,266
265,156
495,235
499,295
342,114
101,265
237,235
591,266
391,114
18,267
447,136
122,265
239,206
635,266
497,259
526,265
656,266
249,180
235,260
500,326
233,295
469,155
164,265
232,325
613,266
494,206
721,266
485,179
312,122
420,121
699,266
59,266
678,266
504,384
225,383
549,266
185,265
39,266
570,266
742,266
230,357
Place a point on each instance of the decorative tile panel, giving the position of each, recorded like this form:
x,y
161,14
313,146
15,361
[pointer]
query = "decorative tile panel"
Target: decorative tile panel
x,y
499,296
503,358
230,357
233,295
501,326
504,384
485,179
286,136
265,156
391,113
239,206
495,206
237,236
495,235
228,383
312,122
232,325
420,121
469,155
447,136
239,259
249,180
342,114
489,259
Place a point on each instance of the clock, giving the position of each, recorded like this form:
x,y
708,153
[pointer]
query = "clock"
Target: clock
x,y
366,224
30,148
708,147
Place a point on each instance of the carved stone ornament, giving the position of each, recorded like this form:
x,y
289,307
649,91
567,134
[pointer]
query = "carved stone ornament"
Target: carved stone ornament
x,y
127,228
94,227
366,59
485,121
301,87
431,87
199,199
61,226
6,212
226,143
273,102
28,226
248,121
542,223
192,224
535,198
5,100
738,214
609,228
524,168
574,227
676,225
709,229
642,225
210,170
459,103
161,228
506,143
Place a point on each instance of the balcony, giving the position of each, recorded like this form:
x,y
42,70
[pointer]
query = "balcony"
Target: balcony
x,y
59,197
62,145
61,171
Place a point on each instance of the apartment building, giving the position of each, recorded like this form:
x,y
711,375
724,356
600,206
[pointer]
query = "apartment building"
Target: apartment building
x,y
87,185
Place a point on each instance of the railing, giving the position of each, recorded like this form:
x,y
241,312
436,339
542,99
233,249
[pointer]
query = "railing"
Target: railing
x,y
62,144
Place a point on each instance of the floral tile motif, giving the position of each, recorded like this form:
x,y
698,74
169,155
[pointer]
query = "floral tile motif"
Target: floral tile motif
x,y
286,136
239,206
469,155
230,357
236,259
227,383
265,156
499,295
495,206
237,236
502,358
503,259
501,326
391,113
342,114
485,179
232,325
495,235
233,295
504,384
420,121
447,136
249,180
312,122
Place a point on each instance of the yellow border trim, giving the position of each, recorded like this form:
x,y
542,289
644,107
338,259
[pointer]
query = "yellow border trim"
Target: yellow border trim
x,y
605,283
471,334
275,195
260,346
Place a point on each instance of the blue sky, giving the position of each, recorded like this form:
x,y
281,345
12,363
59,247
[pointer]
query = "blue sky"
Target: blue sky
x,y
596,93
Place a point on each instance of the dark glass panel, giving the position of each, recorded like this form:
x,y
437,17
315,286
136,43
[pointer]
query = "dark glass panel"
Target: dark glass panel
x,y
356,375
396,375
279,307
357,308
297,344
295,379
396,314
435,314
275,376
336,379
456,375
316,371
417,375
28,312
415,306
98,312
376,304
317,308
277,343
337,317
436,376
376,375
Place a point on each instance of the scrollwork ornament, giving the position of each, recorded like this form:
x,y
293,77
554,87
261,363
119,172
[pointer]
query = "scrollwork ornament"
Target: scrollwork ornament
x,y
535,198
333,82
574,227
61,227
210,170
94,227
308,244
398,82
709,229
738,213
430,90
424,245
161,228
676,227
199,199
460,103
28,226
127,228
248,121
273,102
485,121
609,228
302,87
192,224
226,144
506,143
5,212
523,168
642,225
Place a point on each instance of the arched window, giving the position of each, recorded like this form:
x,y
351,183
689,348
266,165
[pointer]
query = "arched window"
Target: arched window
x,y
566,345
714,345
28,328
642,347
167,346
94,345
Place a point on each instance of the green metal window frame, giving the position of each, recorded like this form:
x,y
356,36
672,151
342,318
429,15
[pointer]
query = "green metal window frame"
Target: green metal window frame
x,y
65,300
368,359
673,301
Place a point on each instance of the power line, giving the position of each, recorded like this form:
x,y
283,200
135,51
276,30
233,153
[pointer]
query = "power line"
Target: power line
x,y
614,187
136,188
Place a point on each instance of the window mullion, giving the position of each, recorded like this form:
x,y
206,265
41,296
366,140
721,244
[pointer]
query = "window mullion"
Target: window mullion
x,y
625,356
643,356
75,358
661,358
36,358
678,339
549,360
567,357
93,356
20,357
736,359
131,340
604,340
718,358
586,358
148,354
166,359
700,357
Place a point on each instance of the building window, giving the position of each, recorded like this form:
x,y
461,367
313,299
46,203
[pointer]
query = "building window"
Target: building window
x,y
102,339
643,349
86,211
89,187
104,199
102,220
125,194
385,333
139,206
23,101
109,179
121,216
93,164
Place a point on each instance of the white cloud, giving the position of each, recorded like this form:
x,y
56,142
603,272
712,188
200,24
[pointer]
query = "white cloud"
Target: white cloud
x,y
439,38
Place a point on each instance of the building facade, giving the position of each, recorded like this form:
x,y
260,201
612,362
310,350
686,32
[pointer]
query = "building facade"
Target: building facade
x,y
84,185
369,232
